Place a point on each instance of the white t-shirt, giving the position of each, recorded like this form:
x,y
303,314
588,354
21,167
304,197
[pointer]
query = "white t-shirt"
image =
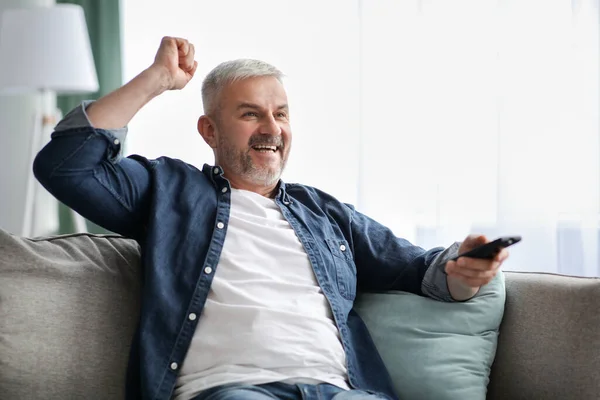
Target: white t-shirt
x,y
265,319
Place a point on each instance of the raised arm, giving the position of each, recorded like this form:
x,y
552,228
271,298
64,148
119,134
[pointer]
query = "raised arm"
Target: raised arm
x,y
82,165
173,68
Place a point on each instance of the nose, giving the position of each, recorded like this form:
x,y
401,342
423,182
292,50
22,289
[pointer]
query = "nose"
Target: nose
x,y
270,126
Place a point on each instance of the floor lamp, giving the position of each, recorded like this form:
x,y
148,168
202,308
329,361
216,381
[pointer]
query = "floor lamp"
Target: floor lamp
x,y
45,50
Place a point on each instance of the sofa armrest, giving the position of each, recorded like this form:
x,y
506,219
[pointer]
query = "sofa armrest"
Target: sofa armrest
x,y
549,343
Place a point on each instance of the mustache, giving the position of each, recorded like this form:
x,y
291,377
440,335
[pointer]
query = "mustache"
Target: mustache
x,y
266,140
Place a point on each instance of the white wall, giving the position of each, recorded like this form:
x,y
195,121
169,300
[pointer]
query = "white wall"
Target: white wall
x,y
16,118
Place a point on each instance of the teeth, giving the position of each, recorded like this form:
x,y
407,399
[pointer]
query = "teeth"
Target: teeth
x,y
273,148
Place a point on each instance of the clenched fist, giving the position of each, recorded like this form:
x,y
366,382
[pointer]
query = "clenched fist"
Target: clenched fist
x,y
175,60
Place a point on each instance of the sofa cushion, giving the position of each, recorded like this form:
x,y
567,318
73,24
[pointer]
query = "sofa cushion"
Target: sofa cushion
x,y
549,345
432,349
68,310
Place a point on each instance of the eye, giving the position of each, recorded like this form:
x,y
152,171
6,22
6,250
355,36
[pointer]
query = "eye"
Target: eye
x,y
250,114
281,115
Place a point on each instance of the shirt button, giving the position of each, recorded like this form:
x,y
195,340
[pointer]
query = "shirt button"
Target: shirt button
x,y
192,317
116,141
286,202
216,170
208,270
224,190
220,225
343,248
174,366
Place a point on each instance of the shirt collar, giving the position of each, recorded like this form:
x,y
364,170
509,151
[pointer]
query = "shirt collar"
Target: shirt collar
x,y
215,173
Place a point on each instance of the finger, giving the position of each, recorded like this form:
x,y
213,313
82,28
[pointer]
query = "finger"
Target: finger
x,y
473,241
475,273
476,263
501,256
169,42
454,267
450,267
193,71
192,52
455,272
183,46
188,62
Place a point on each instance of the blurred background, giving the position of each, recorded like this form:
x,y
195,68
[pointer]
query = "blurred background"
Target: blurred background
x,y
436,118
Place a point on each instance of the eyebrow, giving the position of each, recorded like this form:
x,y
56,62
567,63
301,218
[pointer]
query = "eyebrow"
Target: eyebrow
x,y
257,107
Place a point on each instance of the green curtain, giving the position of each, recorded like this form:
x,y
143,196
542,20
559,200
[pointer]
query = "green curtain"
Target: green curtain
x,y
103,23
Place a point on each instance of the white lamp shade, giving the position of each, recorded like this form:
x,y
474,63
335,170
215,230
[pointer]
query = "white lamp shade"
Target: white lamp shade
x,y
46,48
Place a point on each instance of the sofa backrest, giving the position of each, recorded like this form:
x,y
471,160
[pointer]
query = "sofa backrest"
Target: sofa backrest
x,y
69,307
549,342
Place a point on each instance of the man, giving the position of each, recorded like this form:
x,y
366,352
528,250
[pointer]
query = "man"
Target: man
x,y
249,282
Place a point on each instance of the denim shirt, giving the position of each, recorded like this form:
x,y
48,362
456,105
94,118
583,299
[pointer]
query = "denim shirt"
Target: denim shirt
x,y
179,216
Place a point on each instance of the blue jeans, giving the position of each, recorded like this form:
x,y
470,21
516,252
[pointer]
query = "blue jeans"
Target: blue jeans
x,y
284,391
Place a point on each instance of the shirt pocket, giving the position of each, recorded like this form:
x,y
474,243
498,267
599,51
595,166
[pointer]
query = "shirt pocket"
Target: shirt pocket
x,y
345,270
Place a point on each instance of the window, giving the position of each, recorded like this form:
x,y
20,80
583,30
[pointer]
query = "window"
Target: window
x,y
436,118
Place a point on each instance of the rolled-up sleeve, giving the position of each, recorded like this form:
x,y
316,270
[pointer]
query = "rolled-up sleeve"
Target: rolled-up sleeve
x,y
83,167
435,283
77,118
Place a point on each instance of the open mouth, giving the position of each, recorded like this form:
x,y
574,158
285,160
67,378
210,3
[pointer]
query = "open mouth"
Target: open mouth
x,y
265,149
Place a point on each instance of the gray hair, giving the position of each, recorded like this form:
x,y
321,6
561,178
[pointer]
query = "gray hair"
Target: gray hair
x,y
232,71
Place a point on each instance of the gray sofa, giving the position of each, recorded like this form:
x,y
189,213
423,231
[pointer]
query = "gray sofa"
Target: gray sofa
x,y
76,298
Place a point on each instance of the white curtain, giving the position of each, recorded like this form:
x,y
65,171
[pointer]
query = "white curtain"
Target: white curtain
x,y
436,118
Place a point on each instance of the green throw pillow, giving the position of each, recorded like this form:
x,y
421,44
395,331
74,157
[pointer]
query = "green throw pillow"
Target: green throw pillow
x,y
432,349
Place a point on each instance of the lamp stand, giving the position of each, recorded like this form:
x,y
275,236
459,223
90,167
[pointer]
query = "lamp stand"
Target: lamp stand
x,y
32,185
40,216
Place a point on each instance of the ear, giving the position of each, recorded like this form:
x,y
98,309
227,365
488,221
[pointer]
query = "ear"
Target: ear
x,y
206,128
